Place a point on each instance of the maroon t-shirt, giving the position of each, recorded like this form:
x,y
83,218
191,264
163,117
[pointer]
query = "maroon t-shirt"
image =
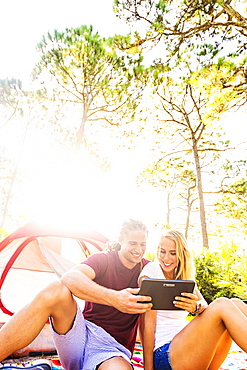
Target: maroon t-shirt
x,y
111,273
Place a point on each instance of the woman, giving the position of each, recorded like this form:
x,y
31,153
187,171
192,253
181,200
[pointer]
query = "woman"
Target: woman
x,y
170,342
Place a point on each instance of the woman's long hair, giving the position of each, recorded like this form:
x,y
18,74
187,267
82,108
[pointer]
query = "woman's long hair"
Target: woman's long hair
x,y
185,269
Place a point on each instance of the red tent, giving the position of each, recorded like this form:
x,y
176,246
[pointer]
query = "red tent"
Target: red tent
x,y
36,254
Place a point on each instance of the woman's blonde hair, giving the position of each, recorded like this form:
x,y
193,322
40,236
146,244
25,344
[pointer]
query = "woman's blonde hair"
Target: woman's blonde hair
x,y
185,269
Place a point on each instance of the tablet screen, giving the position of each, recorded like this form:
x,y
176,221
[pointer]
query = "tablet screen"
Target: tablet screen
x,y
164,291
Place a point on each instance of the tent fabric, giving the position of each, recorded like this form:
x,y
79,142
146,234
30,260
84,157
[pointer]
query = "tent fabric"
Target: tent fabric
x,y
57,263
35,255
40,229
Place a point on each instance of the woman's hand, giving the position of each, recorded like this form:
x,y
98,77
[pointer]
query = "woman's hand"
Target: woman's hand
x,y
187,302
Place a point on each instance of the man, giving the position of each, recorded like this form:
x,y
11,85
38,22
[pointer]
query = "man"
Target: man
x,y
103,337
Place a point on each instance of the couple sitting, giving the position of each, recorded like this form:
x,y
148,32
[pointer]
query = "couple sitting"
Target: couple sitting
x,y
103,336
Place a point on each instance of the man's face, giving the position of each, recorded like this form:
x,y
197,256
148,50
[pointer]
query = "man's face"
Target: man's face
x,y
133,248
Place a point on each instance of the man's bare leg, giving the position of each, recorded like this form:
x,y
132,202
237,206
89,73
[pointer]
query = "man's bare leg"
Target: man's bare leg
x,y
55,301
115,363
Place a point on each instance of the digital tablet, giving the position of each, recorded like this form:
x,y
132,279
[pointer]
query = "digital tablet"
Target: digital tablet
x,y
164,291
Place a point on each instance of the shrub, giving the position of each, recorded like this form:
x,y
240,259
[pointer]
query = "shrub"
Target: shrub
x,y
221,273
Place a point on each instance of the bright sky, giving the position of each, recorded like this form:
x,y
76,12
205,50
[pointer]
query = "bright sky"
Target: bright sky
x,y
113,197
50,188
24,22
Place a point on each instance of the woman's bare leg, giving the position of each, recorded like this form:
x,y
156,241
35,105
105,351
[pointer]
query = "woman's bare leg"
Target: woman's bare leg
x,y
240,304
54,301
226,341
196,345
222,350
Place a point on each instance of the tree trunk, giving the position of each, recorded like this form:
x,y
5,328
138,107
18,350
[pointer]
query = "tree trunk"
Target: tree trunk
x,y
168,211
9,196
200,195
189,207
13,178
80,136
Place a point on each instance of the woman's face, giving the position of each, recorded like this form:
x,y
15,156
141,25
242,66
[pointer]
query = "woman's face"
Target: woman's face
x,y
167,257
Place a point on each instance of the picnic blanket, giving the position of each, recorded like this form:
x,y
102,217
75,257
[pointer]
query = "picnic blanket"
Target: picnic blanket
x,y
236,360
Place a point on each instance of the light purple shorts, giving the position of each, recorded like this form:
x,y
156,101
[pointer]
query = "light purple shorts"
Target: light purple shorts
x,y
87,345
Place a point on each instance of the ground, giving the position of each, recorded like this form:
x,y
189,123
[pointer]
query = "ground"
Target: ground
x,y
236,359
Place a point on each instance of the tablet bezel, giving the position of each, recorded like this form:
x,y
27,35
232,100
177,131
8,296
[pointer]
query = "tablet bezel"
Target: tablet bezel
x,y
164,291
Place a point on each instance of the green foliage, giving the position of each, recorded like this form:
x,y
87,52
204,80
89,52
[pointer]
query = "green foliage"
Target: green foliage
x,y
174,174
9,88
189,23
235,168
162,5
177,179
3,233
196,32
222,273
11,94
167,173
151,256
189,104
225,81
89,70
233,202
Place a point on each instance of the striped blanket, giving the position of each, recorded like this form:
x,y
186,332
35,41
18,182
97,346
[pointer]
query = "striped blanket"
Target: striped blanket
x,y
236,360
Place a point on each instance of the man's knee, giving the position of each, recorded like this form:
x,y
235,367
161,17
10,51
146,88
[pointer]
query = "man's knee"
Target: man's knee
x,y
55,294
115,363
60,305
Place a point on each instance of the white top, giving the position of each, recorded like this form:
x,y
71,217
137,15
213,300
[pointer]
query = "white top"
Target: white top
x,y
168,323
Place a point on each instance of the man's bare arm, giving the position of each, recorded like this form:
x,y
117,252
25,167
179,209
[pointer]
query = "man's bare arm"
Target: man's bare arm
x,y
79,280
